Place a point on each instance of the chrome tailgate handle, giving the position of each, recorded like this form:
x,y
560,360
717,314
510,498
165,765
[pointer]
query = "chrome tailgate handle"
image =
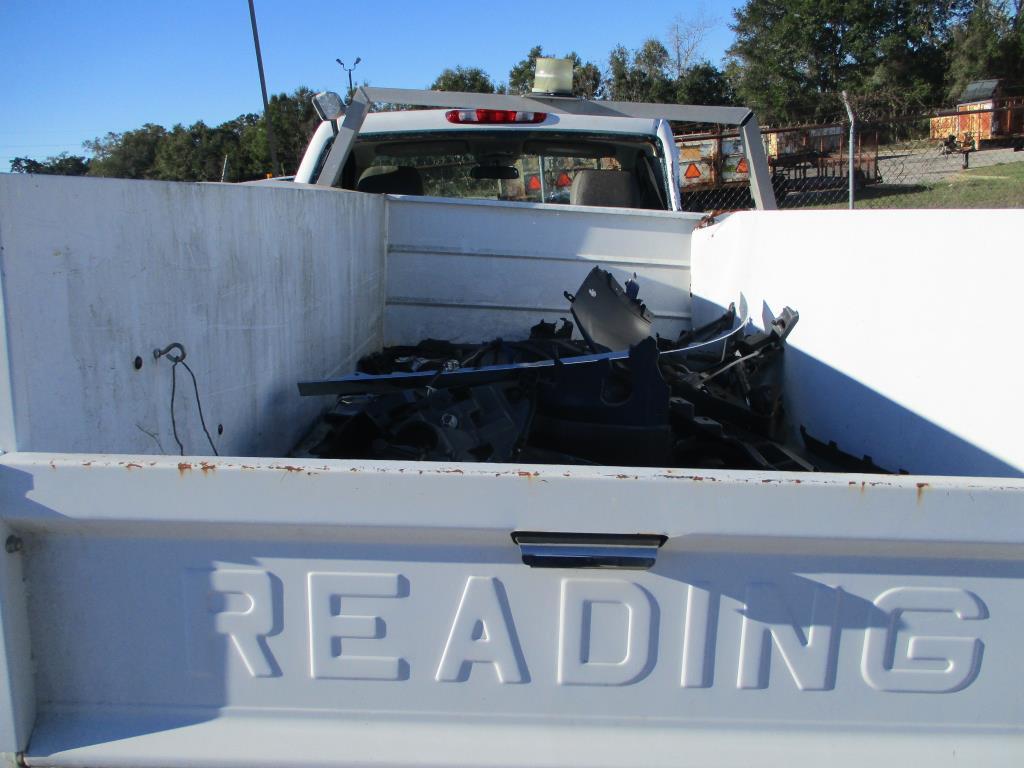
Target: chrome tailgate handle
x,y
632,551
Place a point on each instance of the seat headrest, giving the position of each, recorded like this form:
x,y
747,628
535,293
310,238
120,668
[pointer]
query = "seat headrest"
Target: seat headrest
x,y
615,189
391,180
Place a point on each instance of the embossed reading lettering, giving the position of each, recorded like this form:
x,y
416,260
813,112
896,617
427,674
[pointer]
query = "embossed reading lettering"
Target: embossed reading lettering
x,y
482,633
698,658
926,663
627,625
807,651
233,602
331,627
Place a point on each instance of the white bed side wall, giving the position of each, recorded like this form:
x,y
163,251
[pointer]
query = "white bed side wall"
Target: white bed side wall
x,y
263,286
906,346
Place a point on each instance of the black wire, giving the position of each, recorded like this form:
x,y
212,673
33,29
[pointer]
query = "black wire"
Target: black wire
x,y
174,424
199,405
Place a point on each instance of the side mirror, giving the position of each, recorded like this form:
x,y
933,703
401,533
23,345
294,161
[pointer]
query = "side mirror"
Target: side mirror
x,y
328,105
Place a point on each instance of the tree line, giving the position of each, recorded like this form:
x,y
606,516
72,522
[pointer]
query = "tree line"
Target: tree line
x,y
236,150
789,62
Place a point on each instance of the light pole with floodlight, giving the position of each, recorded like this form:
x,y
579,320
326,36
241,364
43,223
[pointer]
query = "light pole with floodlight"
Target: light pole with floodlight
x,y
349,70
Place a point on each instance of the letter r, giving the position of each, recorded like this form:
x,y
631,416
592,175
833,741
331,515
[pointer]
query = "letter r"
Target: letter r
x,y
233,602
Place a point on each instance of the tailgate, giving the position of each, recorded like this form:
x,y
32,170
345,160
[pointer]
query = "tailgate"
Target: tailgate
x,y
229,612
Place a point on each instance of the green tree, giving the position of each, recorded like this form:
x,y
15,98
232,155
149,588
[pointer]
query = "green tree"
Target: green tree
x,y
587,81
791,58
295,120
520,77
468,79
247,157
704,83
640,75
989,43
244,139
58,165
129,155
195,153
652,73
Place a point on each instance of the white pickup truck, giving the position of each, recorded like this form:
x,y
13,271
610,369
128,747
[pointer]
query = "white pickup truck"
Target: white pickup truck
x,y
537,149
166,607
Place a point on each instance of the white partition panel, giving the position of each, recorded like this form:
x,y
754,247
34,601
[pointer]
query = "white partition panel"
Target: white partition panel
x,y
906,346
264,286
475,270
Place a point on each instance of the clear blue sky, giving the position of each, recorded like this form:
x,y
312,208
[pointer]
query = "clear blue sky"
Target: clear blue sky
x,y
71,70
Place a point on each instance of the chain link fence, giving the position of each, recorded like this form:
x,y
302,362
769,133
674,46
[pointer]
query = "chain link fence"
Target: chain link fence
x,y
967,159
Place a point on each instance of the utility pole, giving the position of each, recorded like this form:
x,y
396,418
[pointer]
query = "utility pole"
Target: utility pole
x,y
263,87
349,70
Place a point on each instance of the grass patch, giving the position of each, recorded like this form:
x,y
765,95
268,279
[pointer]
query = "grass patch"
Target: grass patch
x,y
992,186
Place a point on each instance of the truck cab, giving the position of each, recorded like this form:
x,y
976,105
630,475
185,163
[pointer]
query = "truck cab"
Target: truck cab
x,y
508,155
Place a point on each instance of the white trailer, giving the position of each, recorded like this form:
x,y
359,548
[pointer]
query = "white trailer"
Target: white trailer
x,y
250,609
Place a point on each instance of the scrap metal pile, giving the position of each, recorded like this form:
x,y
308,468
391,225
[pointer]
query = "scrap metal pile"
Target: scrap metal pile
x,y
620,396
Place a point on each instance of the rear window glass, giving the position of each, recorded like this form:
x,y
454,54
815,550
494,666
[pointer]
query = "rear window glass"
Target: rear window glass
x,y
527,178
519,166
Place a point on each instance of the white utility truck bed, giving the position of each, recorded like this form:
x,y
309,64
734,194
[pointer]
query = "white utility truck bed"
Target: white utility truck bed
x,y
250,609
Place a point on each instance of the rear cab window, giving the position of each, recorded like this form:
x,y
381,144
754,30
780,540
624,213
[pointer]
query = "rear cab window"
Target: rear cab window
x,y
521,166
